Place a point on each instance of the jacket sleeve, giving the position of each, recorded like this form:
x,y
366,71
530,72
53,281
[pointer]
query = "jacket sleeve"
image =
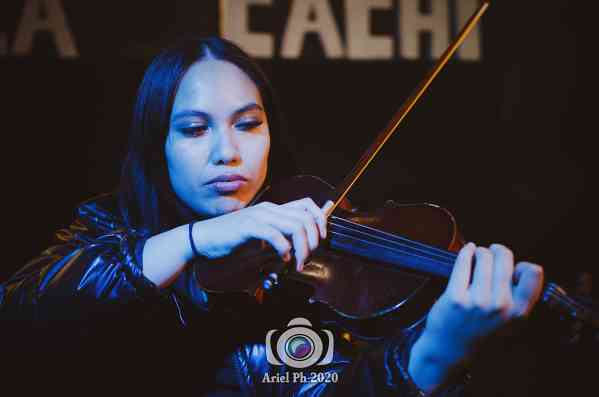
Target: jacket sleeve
x,y
91,266
81,317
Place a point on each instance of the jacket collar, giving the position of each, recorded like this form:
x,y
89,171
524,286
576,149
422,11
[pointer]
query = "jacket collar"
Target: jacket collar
x,y
102,213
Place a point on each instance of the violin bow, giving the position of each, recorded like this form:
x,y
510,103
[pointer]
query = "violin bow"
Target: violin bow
x,y
343,189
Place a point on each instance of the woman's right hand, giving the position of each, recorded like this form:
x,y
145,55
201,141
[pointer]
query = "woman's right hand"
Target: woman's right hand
x,y
301,221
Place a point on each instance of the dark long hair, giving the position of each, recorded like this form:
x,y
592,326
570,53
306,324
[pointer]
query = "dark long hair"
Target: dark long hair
x,y
146,198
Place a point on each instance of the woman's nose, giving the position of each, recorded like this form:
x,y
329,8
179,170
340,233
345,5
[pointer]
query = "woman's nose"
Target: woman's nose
x,y
225,149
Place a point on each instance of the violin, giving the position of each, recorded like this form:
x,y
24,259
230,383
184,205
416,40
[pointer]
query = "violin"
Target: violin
x,y
376,271
373,265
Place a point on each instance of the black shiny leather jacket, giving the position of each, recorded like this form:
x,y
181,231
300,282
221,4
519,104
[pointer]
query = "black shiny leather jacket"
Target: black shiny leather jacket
x,y
82,317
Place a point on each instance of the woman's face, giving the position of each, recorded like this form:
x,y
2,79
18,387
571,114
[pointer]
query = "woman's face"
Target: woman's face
x,y
218,141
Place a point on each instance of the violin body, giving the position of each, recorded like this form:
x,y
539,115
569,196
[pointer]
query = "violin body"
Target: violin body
x,y
367,297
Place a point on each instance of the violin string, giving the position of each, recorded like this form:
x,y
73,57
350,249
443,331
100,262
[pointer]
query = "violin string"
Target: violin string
x,y
566,300
578,314
550,290
397,248
391,236
579,309
443,268
384,244
434,253
422,251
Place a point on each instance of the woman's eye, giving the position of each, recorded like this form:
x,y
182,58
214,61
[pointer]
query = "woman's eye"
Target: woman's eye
x,y
194,130
248,125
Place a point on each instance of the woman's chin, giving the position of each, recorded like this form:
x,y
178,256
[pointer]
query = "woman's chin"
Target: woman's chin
x,y
225,204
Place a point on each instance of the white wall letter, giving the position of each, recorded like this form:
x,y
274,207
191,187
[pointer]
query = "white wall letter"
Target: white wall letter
x,y
470,49
360,43
55,23
299,23
412,22
234,25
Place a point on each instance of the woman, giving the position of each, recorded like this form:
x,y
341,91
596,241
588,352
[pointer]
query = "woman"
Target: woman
x,y
204,133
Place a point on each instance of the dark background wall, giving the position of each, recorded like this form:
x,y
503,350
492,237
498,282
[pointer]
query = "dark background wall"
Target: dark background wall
x,y
504,142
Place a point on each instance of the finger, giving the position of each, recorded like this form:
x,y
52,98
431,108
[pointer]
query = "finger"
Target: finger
x,y
528,288
275,238
503,271
307,204
300,244
305,218
460,274
326,210
289,227
483,276
271,215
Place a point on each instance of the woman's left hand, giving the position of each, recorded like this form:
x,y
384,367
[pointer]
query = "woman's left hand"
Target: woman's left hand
x,y
475,305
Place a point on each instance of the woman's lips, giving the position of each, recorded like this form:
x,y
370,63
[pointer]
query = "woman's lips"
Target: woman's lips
x,y
227,183
227,187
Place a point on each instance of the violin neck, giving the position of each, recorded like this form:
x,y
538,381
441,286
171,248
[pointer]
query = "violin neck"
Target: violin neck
x,y
556,298
401,253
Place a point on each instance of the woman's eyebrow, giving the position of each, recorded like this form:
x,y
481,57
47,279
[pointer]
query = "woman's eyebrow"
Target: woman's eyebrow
x,y
198,113
247,108
190,113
